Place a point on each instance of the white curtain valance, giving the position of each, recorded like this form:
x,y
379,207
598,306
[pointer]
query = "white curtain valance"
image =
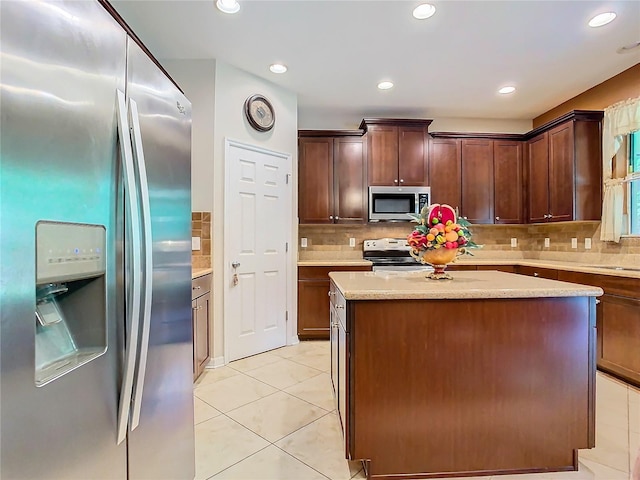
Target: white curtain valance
x,y
620,119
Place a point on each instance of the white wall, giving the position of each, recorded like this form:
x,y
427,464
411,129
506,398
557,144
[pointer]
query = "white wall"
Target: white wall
x,y
217,92
233,86
320,119
197,80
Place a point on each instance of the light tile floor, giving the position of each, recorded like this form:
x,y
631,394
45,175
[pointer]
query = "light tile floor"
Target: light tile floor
x,y
272,417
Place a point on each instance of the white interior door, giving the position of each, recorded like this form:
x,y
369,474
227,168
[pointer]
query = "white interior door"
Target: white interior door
x,y
257,221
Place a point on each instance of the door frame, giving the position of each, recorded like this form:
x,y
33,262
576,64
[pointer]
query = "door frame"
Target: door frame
x,y
290,261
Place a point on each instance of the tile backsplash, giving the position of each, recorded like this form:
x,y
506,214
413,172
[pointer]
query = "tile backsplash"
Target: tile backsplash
x,y
201,227
496,241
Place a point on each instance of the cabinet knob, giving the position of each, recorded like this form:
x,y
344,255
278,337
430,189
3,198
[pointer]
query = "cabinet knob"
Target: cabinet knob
x,y
337,217
536,274
498,218
339,307
402,180
545,216
330,217
551,215
597,301
395,180
198,287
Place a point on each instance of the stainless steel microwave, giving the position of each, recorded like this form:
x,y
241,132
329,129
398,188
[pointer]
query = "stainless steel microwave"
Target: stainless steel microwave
x,y
394,203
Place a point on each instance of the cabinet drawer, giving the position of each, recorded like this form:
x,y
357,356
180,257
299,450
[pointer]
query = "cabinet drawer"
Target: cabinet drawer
x,y
200,286
538,272
313,273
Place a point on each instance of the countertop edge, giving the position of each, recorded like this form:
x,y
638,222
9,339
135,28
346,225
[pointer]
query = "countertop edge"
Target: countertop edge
x,y
200,272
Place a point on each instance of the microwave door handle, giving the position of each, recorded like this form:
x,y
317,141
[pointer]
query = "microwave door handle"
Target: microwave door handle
x,y
148,262
132,298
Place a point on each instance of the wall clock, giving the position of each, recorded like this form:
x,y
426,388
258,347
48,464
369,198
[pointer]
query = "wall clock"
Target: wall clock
x,y
259,113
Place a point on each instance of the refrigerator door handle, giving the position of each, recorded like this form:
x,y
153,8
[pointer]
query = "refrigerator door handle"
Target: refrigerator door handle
x,y
148,261
133,290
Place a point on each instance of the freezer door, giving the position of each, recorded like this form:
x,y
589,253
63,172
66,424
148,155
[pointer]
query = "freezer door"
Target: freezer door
x,y
162,443
62,63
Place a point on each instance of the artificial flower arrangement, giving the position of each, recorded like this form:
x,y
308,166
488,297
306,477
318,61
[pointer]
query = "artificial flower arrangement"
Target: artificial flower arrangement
x,y
439,237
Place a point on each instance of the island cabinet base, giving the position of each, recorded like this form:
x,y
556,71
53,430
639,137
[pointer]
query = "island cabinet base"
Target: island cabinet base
x,y
439,388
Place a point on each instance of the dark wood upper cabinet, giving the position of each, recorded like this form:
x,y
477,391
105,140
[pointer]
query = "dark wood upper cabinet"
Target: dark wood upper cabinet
x,y
507,181
315,180
397,153
332,178
477,181
412,156
445,171
564,174
350,182
538,178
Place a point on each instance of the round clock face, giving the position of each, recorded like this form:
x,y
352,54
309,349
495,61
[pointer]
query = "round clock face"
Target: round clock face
x,y
259,113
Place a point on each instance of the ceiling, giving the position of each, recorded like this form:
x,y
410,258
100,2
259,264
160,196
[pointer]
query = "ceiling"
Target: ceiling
x,y
450,65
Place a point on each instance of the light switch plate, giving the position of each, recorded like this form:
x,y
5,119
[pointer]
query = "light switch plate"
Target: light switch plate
x,y
574,243
352,242
514,242
303,242
547,243
195,243
587,244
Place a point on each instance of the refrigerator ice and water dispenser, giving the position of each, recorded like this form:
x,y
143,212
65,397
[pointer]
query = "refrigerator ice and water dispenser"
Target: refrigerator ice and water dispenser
x,y
70,316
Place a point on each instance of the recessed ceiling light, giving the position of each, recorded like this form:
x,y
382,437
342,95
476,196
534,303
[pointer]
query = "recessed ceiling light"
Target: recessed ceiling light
x,y
424,11
228,6
278,68
602,19
629,48
385,85
506,90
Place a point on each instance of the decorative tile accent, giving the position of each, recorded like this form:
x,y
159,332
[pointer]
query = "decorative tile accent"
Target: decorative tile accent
x,y
496,240
201,227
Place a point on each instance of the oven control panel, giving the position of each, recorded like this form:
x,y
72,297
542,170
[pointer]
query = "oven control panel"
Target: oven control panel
x,y
386,244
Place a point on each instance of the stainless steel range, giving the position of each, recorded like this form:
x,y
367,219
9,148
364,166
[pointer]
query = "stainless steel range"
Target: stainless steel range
x,y
391,254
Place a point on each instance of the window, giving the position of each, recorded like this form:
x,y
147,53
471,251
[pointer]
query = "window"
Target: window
x,y
634,184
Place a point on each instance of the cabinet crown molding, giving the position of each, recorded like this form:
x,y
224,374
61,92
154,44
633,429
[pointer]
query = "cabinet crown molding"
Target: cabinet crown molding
x,y
330,133
398,122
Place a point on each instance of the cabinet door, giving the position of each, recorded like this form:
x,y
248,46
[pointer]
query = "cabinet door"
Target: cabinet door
x,y
445,171
201,333
477,180
507,181
619,337
315,180
412,157
334,353
538,181
194,311
313,308
382,153
549,273
350,184
561,173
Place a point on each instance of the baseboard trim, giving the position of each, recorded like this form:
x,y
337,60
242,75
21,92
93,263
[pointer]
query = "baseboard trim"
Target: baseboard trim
x,y
215,362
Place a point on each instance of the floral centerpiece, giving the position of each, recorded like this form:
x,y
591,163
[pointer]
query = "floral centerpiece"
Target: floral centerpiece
x,y
439,238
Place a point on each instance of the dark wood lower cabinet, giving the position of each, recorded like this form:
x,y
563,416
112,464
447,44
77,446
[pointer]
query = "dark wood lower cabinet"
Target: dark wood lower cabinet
x,y
313,300
617,323
548,273
200,309
507,387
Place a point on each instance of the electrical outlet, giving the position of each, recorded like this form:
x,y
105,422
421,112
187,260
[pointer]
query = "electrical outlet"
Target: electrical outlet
x,y
514,242
303,242
352,242
195,243
587,244
574,243
547,243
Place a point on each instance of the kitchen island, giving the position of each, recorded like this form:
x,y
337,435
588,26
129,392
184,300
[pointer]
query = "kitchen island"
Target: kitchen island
x,y
484,374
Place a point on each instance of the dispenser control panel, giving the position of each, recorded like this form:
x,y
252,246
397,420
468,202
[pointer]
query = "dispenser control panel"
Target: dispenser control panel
x,y
68,251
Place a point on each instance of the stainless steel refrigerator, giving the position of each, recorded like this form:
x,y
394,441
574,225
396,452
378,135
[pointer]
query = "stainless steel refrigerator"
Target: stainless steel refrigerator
x,y
95,256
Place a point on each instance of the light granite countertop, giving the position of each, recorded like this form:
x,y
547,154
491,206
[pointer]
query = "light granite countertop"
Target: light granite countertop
x,y
200,272
465,285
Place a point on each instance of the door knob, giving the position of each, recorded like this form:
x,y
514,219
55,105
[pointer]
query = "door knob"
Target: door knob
x,y
235,264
